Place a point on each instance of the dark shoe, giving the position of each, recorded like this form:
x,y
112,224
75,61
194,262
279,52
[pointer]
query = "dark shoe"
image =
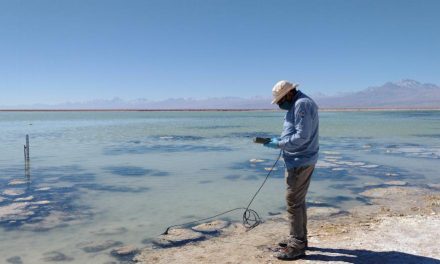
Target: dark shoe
x,y
289,253
284,242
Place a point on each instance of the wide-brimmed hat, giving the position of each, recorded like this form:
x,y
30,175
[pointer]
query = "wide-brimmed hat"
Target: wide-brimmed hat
x,y
282,88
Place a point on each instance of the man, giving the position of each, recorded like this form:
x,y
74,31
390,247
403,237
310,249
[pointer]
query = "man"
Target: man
x,y
300,144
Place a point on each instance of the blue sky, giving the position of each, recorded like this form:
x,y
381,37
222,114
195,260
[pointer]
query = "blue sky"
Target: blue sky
x,y
57,51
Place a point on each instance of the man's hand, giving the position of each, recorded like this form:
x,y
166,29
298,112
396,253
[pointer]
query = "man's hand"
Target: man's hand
x,y
273,143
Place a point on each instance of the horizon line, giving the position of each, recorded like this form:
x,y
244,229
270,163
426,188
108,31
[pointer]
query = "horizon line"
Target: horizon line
x,y
324,109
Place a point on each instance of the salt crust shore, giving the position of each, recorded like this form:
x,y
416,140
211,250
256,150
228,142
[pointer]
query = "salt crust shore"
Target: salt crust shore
x,y
402,225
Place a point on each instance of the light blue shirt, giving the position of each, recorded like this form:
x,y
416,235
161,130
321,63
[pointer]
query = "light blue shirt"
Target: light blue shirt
x,y
300,137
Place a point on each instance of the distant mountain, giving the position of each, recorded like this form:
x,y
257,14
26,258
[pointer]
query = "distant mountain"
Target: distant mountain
x,y
402,94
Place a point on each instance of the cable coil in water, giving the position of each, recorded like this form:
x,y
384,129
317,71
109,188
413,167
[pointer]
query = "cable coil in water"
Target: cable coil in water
x,y
251,218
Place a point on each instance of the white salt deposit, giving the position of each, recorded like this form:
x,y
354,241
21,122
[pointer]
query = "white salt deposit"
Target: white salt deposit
x,y
13,192
23,199
17,182
370,166
43,189
256,160
41,202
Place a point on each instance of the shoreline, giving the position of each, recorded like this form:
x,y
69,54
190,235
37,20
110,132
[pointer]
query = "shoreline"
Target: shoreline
x,y
388,229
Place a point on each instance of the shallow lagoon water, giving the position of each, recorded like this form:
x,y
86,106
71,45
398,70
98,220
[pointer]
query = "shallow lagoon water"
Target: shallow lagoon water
x,y
126,176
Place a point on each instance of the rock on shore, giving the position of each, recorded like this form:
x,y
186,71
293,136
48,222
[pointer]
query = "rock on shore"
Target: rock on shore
x,y
178,237
213,227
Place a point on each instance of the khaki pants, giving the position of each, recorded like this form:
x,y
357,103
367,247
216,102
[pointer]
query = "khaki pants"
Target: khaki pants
x,y
298,181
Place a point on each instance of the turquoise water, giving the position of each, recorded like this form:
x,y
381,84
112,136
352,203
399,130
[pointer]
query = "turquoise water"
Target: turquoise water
x,y
126,176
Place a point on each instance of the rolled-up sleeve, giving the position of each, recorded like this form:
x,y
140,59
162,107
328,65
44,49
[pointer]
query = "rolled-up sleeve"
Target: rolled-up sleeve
x,y
303,127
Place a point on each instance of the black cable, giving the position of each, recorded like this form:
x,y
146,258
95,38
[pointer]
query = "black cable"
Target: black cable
x,y
251,218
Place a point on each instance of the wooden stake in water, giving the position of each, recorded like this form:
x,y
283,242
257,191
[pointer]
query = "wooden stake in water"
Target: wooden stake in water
x,y
26,149
26,158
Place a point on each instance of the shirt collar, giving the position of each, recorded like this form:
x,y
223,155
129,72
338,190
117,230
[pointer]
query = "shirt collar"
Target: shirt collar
x,y
297,95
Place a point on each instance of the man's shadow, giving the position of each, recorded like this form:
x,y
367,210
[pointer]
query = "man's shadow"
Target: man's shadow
x,y
364,256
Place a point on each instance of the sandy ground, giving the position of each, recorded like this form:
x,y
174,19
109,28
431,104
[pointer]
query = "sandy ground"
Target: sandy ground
x,y
402,225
